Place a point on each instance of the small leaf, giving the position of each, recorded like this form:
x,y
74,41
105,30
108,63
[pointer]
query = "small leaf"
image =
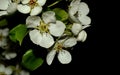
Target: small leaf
x,y
18,33
31,62
61,14
3,22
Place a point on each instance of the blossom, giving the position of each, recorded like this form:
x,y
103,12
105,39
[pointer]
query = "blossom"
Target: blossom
x,y
77,30
5,70
44,29
9,55
3,37
8,7
34,7
63,55
78,12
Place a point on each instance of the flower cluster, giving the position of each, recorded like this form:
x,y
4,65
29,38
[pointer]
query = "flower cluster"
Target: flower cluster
x,y
55,29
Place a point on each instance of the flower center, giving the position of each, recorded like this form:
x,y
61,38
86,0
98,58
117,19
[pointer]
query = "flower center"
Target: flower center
x,y
43,27
33,3
58,47
16,1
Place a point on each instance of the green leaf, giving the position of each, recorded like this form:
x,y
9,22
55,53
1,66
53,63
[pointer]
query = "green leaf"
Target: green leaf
x,y
3,22
31,62
18,33
61,14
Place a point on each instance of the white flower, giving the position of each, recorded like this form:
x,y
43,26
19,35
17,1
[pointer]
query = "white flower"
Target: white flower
x,y
3,37
77,30
5,70
34,7
41,35
63,55
8,7
78,12
9,55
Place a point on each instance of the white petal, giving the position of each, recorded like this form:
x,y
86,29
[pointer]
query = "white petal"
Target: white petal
x,y
12,8
3,43
83,9
8,71
25,9
48,17
50,57
24,73
33,21
7,57
57,29
75,2
36,10
25,1
2,68
76,28
12,55
5,32
70,42
64,57
3,13
82,36
47,40
35,36
85,26
85,20
73,13
41,2
4,4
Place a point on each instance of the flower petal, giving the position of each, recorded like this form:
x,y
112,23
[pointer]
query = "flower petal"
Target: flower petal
x,y
50,57
12,55
8,71
64,57
83,9
2,68
3,43
36,10
70,42
76,28
9,55
5,32
25,1
23,72
57,29
25,9
73,13
12,8
75,2
48,17
35,36
85,20
47,40
4,4
3,13
82,36
33,21
41,2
